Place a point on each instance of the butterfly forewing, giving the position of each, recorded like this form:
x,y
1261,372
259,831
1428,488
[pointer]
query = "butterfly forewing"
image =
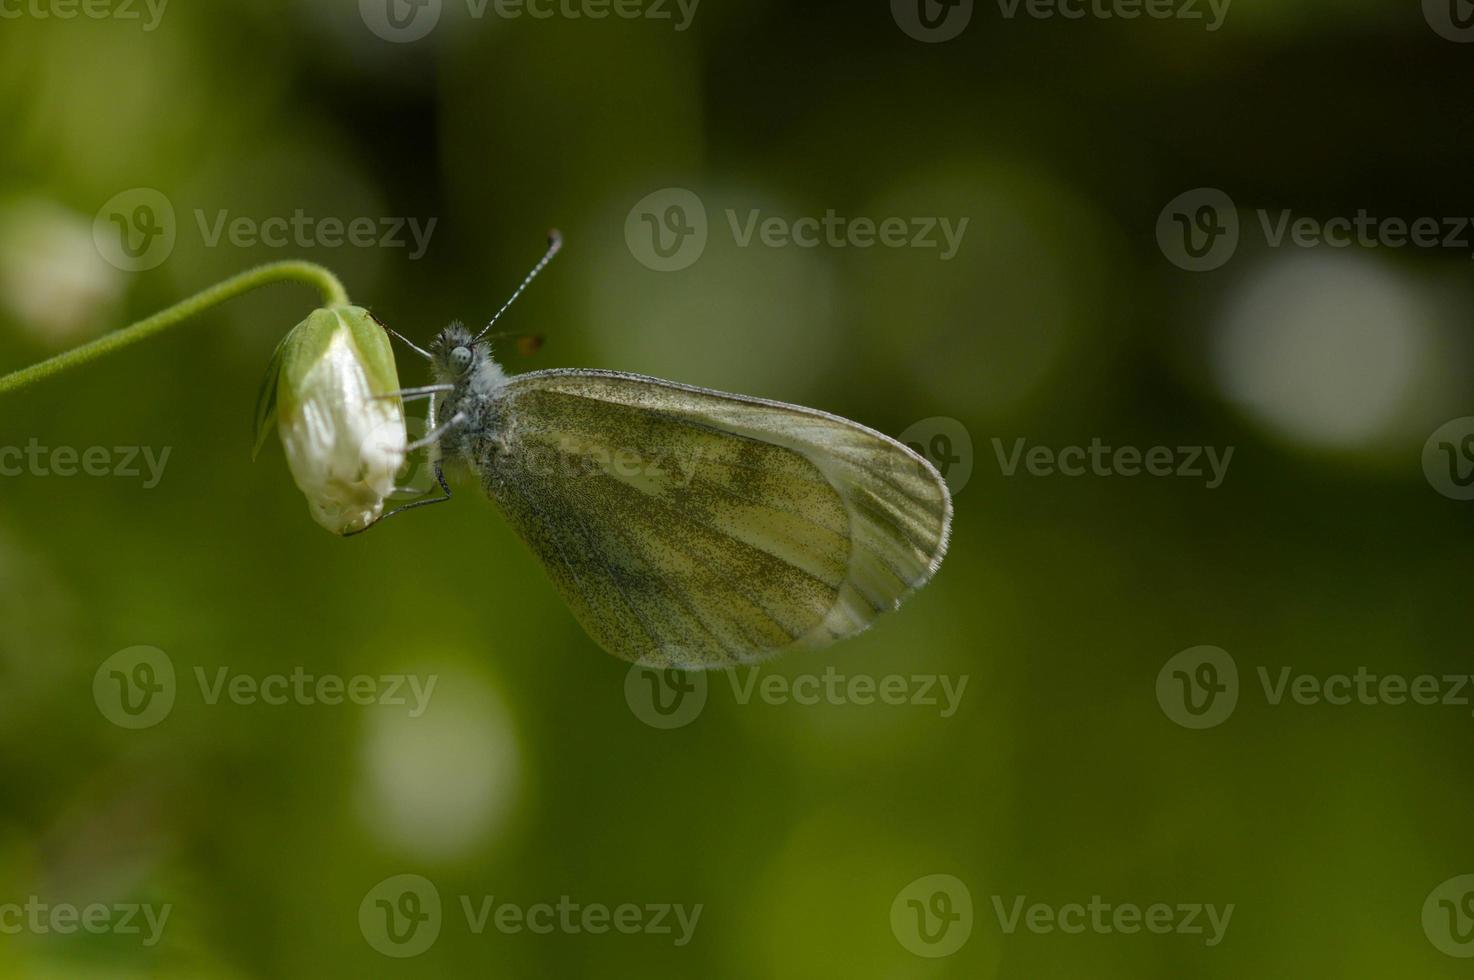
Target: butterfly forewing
x,y
692,528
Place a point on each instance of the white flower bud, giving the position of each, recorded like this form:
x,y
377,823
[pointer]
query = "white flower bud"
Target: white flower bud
x,y
343,444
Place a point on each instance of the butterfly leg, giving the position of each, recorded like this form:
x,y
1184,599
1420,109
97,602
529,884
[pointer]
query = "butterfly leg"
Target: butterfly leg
x,y
444,488
409,394
435,435
456,421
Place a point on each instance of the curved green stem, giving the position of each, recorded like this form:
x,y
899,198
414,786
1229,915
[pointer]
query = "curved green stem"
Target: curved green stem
x,y
309,273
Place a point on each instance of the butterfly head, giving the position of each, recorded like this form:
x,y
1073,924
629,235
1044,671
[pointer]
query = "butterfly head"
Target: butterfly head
x,y
456,354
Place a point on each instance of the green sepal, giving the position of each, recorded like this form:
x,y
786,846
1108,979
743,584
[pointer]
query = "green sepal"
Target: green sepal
x,y
266,399
374,349
301,349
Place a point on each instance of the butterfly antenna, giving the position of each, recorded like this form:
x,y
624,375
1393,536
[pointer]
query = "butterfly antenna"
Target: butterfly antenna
x,y
410,344
555,242
402,338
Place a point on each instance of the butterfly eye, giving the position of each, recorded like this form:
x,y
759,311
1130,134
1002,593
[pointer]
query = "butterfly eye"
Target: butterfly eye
x,y
461,358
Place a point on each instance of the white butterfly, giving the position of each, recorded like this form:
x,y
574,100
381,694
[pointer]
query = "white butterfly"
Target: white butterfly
x,y
687,527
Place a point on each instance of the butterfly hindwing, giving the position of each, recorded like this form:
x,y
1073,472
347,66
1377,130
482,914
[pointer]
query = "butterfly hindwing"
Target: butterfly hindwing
x,y
692,528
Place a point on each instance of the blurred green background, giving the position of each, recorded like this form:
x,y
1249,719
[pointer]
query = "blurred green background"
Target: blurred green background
x,y
1061,775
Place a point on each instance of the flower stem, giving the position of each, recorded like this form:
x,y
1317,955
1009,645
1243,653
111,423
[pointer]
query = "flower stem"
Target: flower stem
x,y
309,273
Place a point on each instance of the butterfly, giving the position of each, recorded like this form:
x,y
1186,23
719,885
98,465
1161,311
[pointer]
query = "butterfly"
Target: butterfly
x,y
686,527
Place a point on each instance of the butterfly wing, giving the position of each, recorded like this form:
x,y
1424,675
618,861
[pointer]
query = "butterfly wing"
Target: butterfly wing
x,y
691,528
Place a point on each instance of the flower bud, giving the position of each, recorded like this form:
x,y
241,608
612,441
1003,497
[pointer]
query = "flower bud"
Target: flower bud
x,y
343,444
